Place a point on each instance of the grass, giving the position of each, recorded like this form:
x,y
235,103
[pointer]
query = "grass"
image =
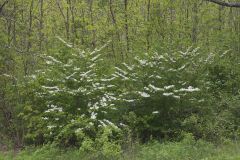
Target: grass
x,y
188,149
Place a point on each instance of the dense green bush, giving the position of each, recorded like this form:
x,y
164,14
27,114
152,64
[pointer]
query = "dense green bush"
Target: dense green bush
x,y
187,149
160,96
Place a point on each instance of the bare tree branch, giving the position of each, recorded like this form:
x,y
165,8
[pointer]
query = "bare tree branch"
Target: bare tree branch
x,y
226,4
1,7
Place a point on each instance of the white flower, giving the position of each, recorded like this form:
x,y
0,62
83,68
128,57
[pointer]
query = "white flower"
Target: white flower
x,y
46,87
177,97
6,75
142,62
121,124
33,76
110,123
48,62
78,130
189,89
155,88
76,69
105,80
124,77
68,77
202,100
144,94
128,67
96,57
47,111
93,115
168,94
102,124
92,65
104,99
155,112
181,68
158,77
169,87
120,70
50,127
110,86
146,88
67,44
128,100
85,74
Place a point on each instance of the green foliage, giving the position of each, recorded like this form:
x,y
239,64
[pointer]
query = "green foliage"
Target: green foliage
x,y
105,145
57,87
71,98
159,96
187,149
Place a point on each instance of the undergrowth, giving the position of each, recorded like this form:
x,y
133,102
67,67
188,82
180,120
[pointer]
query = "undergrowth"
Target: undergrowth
x,y
187,149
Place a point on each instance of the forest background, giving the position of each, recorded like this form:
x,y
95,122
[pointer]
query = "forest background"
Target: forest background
x,y
105,75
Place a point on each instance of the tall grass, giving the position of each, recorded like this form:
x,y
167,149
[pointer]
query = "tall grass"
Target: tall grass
x,y
187,149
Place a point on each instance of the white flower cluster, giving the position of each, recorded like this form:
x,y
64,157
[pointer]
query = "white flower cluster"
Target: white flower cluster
x,y
53,108
158,76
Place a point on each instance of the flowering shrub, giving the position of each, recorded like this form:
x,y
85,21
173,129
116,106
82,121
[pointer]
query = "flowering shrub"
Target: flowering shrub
x,y
77,96
72,97
162,90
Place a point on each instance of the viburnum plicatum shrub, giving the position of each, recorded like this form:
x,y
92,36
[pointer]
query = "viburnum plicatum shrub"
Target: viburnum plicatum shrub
x,y
77,96
71,97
